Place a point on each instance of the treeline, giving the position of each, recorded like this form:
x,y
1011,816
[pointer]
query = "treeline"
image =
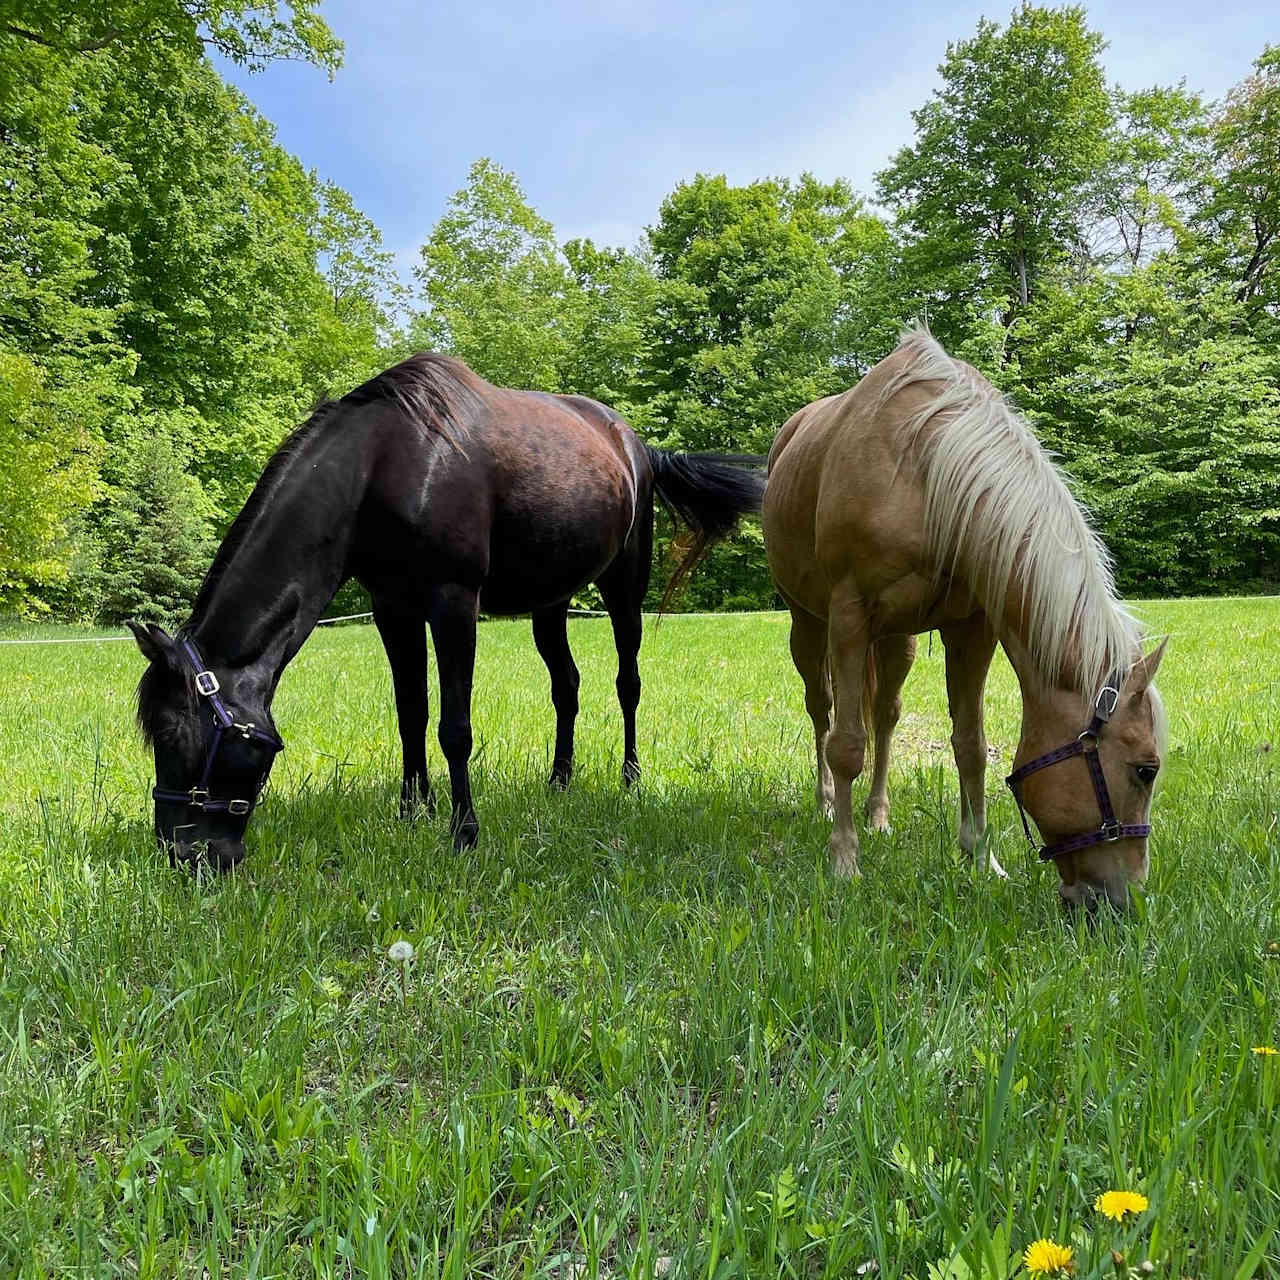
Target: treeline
x,y
176,291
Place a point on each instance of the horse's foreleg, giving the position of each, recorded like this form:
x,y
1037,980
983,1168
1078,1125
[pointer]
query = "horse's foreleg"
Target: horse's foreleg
x,y
848,644
809,653
550,634
894,656
404,636
969,645
453,630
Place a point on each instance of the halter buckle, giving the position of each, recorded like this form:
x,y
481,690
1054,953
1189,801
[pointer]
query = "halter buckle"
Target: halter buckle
x,y
199,797
246,731
239,807
1105,711
207,683
1110,832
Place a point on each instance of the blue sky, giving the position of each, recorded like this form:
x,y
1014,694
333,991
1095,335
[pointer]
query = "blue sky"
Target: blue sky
x,y
600,109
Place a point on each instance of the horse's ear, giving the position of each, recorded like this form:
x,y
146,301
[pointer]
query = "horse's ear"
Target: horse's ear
x,y
1144,670
155,642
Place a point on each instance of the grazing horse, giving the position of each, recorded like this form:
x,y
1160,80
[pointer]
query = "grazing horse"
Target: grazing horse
x,y
918,500
443,495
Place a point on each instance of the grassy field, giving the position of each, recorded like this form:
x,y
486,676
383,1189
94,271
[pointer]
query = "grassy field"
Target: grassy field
x,y
642,1033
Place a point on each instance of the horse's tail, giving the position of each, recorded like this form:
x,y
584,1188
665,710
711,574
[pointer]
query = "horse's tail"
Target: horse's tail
x,y
707,492
869,680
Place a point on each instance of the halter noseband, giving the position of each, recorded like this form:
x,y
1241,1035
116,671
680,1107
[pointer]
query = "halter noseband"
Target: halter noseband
x,y
198,797
1085,745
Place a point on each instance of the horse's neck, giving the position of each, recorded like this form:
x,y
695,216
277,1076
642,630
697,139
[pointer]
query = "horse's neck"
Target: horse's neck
x,y
267,593
1045,702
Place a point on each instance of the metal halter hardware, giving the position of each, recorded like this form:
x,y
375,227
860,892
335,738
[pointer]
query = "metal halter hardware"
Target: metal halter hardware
x,y
223,723
1086,745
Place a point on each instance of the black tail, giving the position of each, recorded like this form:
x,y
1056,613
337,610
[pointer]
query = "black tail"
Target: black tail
x,y
708,492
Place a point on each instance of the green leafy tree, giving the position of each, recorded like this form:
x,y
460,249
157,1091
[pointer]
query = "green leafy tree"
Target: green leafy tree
x,y
496,286
250,32
45,480
608,303
743,325
153,536
1168,415
1141,198
989,195
1240,212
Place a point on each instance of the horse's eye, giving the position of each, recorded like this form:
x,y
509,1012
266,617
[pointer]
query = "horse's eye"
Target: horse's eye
x,y
1146,773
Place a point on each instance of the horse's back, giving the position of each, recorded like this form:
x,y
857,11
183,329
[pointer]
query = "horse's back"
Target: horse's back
x,y
842,503
533,498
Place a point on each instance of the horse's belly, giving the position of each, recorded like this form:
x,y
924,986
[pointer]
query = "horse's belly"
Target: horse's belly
x,y
537,563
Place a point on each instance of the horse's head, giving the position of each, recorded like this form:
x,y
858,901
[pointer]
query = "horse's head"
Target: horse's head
x,y
1085,772
214,746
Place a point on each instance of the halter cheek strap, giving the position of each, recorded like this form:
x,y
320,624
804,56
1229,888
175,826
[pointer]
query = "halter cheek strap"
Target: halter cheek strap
x,y
1085,745
224,723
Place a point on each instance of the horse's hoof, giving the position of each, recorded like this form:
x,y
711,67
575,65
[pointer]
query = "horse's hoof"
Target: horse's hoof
x,y
844,859
559,780
466,837
415,803
630,773
879,822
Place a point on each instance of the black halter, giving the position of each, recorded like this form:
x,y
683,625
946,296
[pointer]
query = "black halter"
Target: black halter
x,y
198,797
1085,745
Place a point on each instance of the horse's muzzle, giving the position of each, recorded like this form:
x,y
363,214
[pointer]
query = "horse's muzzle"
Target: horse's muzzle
x,y
1091,896
212,855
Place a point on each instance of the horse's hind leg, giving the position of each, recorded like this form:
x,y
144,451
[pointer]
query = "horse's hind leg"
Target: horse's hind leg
x,y
894,656
622,588
969,645
551,635
809,653
404,636
453,629
848,645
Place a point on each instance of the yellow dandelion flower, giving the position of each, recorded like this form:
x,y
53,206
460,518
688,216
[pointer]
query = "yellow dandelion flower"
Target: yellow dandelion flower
x,y
1047,1258
1265,1051
1115,1204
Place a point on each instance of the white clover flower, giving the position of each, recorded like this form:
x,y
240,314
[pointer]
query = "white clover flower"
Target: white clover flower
x,y
401,952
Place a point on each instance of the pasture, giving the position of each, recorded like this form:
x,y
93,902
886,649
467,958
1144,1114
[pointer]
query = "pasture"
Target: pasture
x,y
641,1033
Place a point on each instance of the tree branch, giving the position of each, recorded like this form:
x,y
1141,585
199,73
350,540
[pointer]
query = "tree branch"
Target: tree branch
x,y
87,46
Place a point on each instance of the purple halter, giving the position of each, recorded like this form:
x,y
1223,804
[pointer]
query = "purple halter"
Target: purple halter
x,y
198,797
1085,745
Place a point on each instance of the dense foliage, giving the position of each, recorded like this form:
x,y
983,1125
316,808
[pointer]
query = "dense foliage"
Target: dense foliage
x,y
176,291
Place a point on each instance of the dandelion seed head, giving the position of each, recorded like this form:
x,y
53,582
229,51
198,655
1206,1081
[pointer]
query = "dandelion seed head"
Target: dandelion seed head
x,y
401,952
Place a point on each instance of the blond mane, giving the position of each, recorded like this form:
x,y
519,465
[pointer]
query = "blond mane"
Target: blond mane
x,y
996,506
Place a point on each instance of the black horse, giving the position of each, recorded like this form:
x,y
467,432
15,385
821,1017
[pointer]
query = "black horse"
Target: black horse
x,y
443,495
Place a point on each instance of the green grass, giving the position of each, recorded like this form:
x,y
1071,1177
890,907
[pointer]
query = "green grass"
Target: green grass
x,y
643,1033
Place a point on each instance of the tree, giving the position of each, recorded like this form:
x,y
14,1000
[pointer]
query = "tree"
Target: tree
x,y
609,301
249,32
743,323
1140,198
153,535
495,284
1168,415
989,195
1240,211
46,480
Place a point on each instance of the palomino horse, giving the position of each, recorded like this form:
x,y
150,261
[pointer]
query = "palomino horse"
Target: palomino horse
x,y
443,495
919,500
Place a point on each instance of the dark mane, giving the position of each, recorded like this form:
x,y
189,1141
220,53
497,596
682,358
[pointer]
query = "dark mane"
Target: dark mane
x,y
431,389
268,482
